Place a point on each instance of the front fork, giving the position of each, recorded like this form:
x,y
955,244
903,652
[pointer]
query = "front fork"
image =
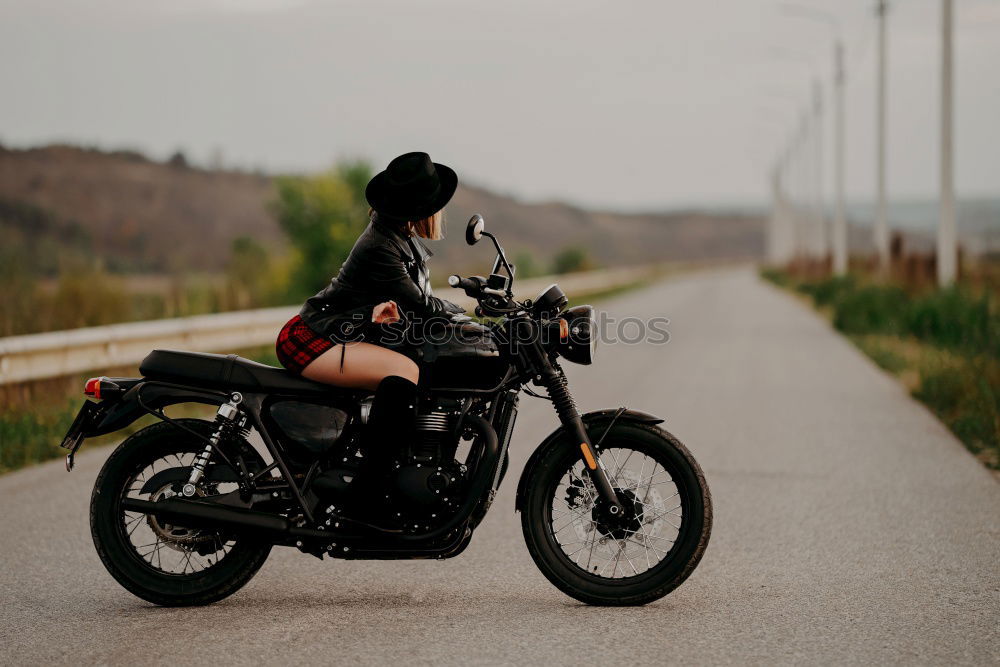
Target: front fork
x,y
554,381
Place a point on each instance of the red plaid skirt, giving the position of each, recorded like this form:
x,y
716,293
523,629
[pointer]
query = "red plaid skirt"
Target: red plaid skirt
x,y
298,345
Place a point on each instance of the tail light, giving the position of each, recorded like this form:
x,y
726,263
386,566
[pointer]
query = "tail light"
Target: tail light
x,y
102,388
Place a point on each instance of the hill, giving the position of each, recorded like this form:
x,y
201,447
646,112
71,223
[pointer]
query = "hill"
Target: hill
x,y
140,215
136,214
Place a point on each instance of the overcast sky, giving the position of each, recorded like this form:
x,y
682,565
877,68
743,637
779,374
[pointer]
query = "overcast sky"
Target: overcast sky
x,y
622,103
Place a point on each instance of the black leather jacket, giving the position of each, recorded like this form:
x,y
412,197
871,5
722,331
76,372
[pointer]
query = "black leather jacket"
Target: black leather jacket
x,y
384,265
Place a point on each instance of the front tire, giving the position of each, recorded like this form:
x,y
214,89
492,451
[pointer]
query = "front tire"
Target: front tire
x,y
630,560
220,564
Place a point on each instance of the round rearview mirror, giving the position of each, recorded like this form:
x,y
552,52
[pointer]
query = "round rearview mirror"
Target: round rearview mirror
x,y
474,231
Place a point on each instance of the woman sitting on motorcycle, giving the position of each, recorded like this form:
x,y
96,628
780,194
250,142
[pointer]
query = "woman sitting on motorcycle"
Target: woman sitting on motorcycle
x,y
384,278
384,274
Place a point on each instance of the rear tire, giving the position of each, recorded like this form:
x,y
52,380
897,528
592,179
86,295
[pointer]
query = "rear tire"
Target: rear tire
x,y
120,555
649,578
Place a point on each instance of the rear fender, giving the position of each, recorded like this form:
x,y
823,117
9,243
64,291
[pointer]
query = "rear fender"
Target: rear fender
x,y
594,421
154,396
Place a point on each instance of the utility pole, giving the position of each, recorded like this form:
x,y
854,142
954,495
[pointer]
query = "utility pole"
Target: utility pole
x,y
786,246
839,215
821,237
775,232
794,190
947,250
881,231
801,219
836,239
793,171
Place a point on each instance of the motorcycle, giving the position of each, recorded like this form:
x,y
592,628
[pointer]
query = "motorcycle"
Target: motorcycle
x,y
614,509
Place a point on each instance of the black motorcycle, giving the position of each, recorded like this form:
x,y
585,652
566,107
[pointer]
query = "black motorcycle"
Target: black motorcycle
x,y
614,510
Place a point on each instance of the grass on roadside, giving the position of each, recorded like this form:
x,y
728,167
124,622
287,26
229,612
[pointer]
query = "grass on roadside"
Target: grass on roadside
x,y
33,436
944,345
35,416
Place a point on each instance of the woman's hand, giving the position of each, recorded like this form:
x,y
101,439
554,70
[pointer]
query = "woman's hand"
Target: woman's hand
x,y
385,313
452,307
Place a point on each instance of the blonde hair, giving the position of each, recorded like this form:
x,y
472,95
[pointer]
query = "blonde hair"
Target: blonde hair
x,y
429,228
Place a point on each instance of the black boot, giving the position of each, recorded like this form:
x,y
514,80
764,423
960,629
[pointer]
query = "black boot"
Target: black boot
x,y
390,428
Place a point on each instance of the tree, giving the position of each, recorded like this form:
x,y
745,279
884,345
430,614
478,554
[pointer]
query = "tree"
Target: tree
x,y
322,216
573,258
356,174
525,265
248,273
178,160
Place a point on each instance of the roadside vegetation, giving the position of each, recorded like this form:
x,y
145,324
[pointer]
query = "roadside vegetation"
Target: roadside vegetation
x,y
34,416
53,277
50,286
943,344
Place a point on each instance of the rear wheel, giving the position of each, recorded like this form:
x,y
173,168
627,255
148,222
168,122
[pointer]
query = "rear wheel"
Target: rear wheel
x,y
162,563
632,558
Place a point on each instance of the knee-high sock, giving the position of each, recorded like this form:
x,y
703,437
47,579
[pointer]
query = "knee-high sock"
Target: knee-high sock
x,y
392,420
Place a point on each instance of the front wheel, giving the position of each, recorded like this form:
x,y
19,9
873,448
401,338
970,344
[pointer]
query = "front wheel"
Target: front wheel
x,y
638,556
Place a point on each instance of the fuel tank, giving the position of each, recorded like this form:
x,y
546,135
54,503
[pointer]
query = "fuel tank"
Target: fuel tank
x,y
465,357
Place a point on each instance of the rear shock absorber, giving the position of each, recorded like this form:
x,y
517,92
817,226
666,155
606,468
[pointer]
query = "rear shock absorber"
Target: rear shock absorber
x,y
228,420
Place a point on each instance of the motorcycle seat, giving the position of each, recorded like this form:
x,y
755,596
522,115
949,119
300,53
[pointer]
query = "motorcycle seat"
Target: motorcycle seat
x,y
227,371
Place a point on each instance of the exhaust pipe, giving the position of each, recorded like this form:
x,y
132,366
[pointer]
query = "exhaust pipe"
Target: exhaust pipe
x,y
198,514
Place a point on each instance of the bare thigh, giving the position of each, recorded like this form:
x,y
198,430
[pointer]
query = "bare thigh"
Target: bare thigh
x,y
365,365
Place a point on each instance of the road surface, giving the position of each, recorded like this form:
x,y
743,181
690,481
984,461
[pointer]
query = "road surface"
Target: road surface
x,y
850,527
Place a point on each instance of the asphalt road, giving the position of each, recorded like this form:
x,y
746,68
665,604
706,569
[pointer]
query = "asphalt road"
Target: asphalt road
x,y
850,527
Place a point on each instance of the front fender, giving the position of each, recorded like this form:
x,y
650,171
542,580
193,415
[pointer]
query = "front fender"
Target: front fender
x,y
590,420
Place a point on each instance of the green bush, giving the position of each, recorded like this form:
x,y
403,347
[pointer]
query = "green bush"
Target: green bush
x,y
944,389
871,309
249,275
526,266
572,259
953,318
963,397
882,354
776,276
827,292
87,296
32,436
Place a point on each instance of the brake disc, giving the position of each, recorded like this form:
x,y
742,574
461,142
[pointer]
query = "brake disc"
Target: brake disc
x,y
175,537
651,499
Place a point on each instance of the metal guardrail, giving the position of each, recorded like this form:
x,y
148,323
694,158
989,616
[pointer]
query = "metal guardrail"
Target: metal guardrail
x,y
61,353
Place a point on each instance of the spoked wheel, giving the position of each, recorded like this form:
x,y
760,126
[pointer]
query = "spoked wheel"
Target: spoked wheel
x,y
164,563
631,558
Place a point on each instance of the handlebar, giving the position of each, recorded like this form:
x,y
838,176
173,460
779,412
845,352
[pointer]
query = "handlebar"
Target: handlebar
x,y
468,284
474,287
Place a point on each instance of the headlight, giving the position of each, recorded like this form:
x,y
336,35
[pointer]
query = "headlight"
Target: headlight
x,y
581,340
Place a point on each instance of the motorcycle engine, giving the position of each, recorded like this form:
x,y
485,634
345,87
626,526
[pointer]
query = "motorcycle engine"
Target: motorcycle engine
x,y
428,479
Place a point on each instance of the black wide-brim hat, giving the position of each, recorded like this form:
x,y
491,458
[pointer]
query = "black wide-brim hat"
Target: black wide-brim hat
x,y
411,187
